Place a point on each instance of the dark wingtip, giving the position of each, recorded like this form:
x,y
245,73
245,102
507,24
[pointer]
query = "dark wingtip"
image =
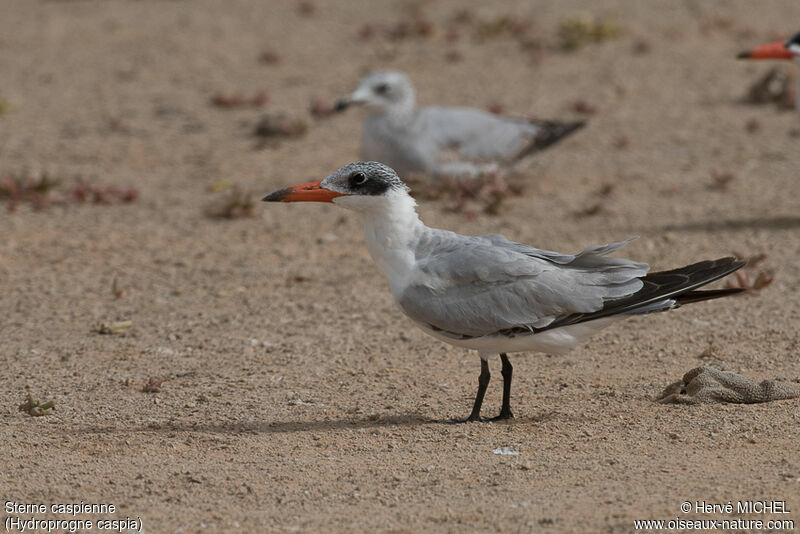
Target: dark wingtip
x,y
735,263
277,196
551,133
341,105
743,55
691,297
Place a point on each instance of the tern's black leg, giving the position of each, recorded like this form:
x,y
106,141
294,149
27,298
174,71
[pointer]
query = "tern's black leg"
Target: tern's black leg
x,y
483,383
505,411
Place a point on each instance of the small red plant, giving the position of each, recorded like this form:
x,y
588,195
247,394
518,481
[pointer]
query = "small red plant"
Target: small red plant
x,y
153,385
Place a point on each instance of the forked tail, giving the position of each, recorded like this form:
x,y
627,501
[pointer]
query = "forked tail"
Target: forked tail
x,y
666,289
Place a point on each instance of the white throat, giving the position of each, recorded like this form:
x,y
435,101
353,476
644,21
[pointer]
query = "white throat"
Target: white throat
x,y
398,115
403,110
398,112
392,230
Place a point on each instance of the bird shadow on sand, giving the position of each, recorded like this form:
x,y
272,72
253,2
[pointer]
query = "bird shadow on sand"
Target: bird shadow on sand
x,y
274,427
784,222
278,427
270,427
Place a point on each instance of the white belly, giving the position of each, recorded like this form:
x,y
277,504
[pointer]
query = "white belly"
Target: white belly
x,y
555,341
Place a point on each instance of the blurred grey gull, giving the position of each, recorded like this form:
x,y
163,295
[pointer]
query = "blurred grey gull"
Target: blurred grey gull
x,y
443,141
493,295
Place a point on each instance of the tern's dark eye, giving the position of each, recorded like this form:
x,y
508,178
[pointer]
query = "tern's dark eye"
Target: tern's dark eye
x,y
382,88
357,179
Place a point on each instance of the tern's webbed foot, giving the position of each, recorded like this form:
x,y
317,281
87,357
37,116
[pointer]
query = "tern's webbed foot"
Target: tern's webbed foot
x,y
504,415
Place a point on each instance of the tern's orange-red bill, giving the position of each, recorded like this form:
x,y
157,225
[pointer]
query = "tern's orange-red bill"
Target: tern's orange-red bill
x,y
310,192
776,50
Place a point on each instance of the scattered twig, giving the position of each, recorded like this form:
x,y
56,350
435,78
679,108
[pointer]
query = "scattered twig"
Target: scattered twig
x,y
583,107
35,408
237,100
621,142
269,57
114,328
235,204
86,192
415,27
752,126
744,281
575,32
279,124
453,56
220,185
116,290
641,46
307,8
39,192
721,181
753,262
520,29
321,108
607,190
751,277
16,189
504,25
463,16
487,192
595,208
153,385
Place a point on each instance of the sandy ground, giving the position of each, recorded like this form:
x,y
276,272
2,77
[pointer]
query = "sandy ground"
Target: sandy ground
x,y
297,398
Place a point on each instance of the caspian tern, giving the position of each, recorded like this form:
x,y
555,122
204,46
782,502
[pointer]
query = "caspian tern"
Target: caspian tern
x,y
789,49
493,295
442,141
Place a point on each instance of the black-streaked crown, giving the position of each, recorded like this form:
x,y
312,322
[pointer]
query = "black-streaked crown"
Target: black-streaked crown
x,y
365,178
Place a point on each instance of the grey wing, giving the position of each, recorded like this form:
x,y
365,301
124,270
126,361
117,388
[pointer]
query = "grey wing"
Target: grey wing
x,y
474,134
477,286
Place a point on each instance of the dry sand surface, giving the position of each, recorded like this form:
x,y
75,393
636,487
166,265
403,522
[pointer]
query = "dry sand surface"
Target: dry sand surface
x,y
296,397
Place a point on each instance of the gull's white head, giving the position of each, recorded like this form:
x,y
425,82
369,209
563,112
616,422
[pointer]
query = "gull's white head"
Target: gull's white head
x,y
364,186
789,49
382,92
